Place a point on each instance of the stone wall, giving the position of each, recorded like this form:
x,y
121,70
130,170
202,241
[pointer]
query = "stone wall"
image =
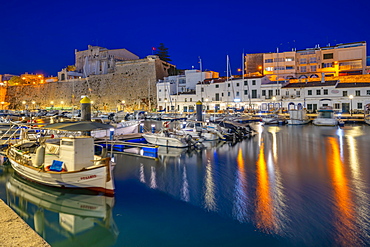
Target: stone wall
x,y
133,82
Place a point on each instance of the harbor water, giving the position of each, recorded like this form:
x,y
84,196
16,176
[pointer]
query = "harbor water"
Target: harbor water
x,y
286,186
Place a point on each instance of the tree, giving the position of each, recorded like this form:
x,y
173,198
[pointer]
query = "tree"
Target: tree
x,y
15,80
162,53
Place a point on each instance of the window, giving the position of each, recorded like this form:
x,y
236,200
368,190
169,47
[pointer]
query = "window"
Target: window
x,y
268,60
254,94
328,56
358,92
245,83
298,93
277,92
345,93
313,68
237,93
287,93
159,99
253,82
191,99
318,92
237,84
279,59
160,90
359,105
309,107
303,69
202,90
245,92
303,61
228,93
313,60
289,67
325,92
217,86
327,65
228,85
269,68
367,92
336,106
289,59
222,94
309,92
263,92
186,100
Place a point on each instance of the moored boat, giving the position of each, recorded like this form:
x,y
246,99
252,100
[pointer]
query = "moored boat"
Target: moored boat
x,y
325,117
298,117
68,162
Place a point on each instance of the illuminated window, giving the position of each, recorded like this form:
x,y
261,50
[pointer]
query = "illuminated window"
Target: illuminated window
x,y
289,59
289,67
327,65
269,68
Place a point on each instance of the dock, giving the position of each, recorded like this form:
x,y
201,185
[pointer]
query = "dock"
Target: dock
x,y
16,232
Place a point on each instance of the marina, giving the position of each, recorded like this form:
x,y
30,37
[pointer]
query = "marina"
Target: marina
x,y
266,190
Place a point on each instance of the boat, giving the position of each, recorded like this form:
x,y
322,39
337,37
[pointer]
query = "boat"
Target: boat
x,y
68,162
199,130
367,114
121,128
72,218
169,139
298,117
326,117
273,119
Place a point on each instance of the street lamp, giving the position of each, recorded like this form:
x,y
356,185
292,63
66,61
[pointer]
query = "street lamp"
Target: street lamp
x,y
351,97
33,103
62,103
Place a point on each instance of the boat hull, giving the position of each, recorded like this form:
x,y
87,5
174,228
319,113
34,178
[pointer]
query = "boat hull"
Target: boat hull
x,y
164,141
94,179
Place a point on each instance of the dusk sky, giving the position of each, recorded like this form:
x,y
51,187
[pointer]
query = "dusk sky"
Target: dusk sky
x,y
41,36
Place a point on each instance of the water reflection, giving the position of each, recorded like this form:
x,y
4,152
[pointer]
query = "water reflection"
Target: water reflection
x,y
343,198
63,219
240,209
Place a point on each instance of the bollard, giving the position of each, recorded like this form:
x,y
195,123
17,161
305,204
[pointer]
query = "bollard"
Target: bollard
x,y
141,130
153,128
85,109
111,134
199,109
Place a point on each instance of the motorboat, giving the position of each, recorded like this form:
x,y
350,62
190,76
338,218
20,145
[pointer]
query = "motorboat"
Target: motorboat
x,y
68,162
298,117
326,117
121,128
169,139
273,119
199,130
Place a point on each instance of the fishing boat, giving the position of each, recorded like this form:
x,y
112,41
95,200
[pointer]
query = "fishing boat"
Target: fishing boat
x,y
68,162
199,130
273,119
325,117
298,117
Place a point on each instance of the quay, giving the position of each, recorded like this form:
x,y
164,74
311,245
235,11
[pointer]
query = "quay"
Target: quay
x,y
16,232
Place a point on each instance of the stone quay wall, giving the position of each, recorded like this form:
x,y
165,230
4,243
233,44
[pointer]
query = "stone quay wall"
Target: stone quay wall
x,y
133,82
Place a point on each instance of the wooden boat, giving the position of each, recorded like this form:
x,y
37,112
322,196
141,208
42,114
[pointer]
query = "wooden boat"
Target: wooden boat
x,y
68,162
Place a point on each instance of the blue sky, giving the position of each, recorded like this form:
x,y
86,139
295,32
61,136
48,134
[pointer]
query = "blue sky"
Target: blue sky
x,y
41,36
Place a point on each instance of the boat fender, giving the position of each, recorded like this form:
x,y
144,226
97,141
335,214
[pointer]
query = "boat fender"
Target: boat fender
x,y
40,156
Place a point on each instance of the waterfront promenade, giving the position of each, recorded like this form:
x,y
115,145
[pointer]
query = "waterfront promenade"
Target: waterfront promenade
x,y
15,232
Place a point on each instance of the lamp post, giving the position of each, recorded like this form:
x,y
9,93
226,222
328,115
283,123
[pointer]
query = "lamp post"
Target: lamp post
x,y
33,105
351,97
52,105
62,103
165,106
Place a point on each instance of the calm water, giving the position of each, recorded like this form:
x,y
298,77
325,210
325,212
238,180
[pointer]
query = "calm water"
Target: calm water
x,y
286,186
